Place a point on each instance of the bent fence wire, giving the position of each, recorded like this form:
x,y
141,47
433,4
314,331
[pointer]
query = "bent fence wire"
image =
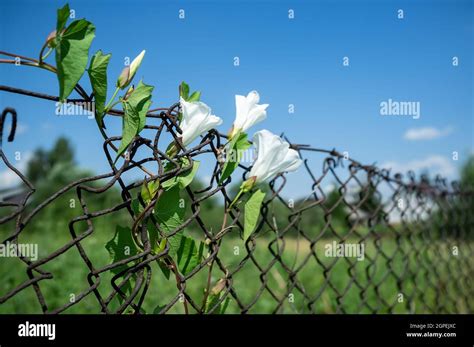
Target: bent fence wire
x,y
417,237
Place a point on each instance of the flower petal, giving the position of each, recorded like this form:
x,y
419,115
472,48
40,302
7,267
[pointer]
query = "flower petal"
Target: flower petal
x,y
241,111
274,156
248,112
253,98
256,114
197,119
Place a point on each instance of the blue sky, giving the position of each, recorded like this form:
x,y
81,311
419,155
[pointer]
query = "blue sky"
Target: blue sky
x,y
289,61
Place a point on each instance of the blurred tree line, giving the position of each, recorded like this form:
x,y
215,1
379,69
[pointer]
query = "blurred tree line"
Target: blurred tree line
x,y
333,212
53,169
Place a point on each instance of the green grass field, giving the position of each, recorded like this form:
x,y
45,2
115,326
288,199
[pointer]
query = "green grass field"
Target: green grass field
x,y
348,286
416,272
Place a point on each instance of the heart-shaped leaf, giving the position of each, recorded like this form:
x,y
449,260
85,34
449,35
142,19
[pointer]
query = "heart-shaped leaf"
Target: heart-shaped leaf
x,y
72,53
98,77
252,212
135,108
185,178
235,148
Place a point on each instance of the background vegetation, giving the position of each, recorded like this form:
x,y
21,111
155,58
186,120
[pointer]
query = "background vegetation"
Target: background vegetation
x,y
367,286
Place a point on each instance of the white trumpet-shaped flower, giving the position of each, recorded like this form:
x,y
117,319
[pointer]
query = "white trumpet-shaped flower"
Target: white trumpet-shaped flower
x,y
248,112
197,119
129,71
274,156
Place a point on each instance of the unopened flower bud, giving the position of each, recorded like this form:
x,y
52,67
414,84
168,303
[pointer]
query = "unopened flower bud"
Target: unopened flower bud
x,y
248,184
220,285
129,72
51,39
123,79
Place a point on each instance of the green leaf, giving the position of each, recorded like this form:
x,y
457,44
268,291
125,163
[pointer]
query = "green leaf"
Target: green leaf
x,y
224,306
137,208
63,15
174,243
237,145
184,93
156,245
214,297
164,269
161,247
98,77
242,143
130,124
186,251
168,210
72,53
195,96
252,211
185,178
140,99
184,90
212,300
158,309
135,109
190,254
149,190
170,215
121,246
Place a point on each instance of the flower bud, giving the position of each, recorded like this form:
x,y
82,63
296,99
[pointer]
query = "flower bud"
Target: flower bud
x,y
231,132
123,79
248,184
51,39
172,149
129,71
220,285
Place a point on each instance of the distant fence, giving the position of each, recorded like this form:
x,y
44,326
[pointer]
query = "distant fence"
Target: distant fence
x,y
417,238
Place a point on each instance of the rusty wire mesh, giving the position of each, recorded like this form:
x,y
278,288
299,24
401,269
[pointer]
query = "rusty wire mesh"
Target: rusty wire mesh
x,y
410,236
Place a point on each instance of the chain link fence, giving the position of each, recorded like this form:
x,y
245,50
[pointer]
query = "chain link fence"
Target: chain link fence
x,y
361,240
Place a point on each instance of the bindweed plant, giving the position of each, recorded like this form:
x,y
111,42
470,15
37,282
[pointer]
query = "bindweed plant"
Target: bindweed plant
x,y
157,207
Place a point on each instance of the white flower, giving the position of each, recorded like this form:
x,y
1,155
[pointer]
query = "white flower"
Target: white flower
x,y
248,112
274,156
197,120
129,71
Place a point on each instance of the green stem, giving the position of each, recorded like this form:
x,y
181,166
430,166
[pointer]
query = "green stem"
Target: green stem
x,y
47,54
41,53
172,150
26,63
241,191
108,106
46,67
114,104
235,136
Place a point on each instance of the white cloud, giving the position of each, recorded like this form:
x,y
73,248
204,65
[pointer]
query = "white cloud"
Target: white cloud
x,y
426,133
8,178
435,164
20,129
